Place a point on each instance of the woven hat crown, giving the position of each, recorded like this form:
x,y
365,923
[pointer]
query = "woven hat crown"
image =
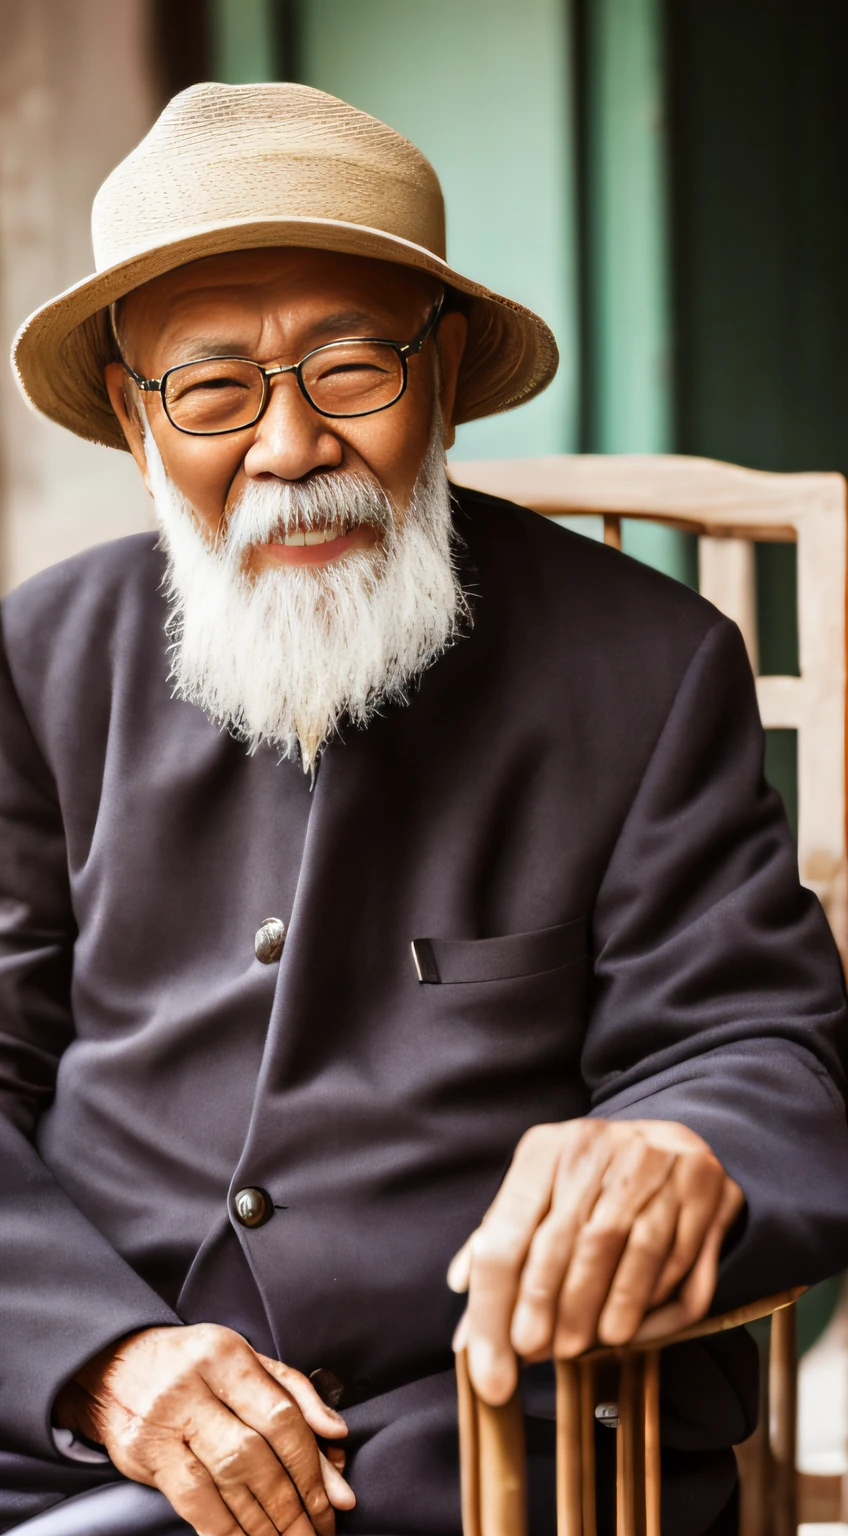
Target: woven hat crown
x,y
221,154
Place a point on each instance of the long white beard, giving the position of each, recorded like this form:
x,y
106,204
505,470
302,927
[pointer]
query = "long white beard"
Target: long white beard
x,y
286,655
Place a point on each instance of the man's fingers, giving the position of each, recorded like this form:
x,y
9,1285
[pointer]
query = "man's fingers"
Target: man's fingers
x,y
340,1493
190,1489
499,1248
579,1176
698,1289
254,1392
459,1269
320,1418
632,1179
699,1182
251,1518
252,1435
254,1485
645,1255
316,1414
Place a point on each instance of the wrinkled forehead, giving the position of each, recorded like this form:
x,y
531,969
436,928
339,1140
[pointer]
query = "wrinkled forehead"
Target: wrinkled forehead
x,y
292,288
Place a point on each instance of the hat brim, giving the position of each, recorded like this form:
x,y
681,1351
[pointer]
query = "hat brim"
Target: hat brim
x,y
59,353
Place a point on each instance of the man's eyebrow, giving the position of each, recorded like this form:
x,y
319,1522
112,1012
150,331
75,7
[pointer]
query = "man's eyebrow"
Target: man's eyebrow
x,y
339,324
191,347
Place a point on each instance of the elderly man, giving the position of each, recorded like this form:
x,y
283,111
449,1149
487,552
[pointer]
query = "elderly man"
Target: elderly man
x,y
538,994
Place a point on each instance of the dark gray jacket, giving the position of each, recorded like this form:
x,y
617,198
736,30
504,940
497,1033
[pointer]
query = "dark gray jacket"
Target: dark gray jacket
x,y
572,809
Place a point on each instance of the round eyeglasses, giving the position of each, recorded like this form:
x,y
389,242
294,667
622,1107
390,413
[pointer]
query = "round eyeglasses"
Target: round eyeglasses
x,y
355,376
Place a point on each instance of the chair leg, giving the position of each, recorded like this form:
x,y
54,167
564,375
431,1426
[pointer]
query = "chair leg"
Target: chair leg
x,y
651,1430
630,1448
783,1421
569,1449
469,1449
753,1461
493,1462
588,1397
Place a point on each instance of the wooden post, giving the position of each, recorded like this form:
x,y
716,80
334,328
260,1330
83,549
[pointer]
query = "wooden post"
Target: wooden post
x,y
783,1422
630,1462
612,530
76,93
727,577
503,1469
469,1449
588,1377
653,1470
569,1450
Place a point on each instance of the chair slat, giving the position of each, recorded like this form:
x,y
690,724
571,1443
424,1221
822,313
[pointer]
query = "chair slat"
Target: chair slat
x,y
569,1450
469,1448
630,1486
783,1403
653,1473
588,1398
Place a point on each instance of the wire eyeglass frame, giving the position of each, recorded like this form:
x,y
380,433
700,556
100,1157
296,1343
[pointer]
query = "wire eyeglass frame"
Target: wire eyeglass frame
x,y
404,351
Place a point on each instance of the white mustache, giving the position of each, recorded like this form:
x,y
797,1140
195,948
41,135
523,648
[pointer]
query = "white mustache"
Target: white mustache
x,y
268,510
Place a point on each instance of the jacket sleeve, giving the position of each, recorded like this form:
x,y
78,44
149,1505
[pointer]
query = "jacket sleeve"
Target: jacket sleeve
x,y
719,1000
64,1291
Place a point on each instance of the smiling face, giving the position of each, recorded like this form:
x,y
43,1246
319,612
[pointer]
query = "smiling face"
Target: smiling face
x,y
310,574
274,306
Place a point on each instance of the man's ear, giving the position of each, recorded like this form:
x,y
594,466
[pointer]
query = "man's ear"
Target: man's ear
x,y
130,421
451,338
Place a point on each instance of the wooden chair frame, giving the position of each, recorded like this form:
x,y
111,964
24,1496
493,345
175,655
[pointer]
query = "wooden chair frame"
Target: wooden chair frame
x,y
492,1450
731,509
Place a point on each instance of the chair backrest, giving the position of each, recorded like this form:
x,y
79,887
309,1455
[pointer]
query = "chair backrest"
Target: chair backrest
x,y
492,1447
731,509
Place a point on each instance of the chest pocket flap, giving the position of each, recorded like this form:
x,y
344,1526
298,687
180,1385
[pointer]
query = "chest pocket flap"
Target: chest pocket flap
x,y
500,959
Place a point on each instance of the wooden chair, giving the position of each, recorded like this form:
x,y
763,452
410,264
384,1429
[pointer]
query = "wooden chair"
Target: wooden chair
x,y
492,1454
730,509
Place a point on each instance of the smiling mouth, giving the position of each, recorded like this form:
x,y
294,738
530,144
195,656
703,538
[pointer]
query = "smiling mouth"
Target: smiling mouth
x,y
315,546
300,536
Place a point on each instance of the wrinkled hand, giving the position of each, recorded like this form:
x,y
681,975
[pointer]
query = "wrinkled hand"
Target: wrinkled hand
x,y
226,1434
602,1231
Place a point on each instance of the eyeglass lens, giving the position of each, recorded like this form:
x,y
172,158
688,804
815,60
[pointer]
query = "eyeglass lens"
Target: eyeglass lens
x,y
223,394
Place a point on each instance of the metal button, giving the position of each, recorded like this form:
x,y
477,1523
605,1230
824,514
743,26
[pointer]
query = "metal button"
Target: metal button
x,y
253,1207
607,1414
269,940
329,1388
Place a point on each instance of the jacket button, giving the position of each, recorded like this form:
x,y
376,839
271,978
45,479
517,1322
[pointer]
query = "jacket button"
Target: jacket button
x,y
269,940
329,1388
253,1207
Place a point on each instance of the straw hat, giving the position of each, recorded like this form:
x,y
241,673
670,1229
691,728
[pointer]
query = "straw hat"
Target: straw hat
x,y
232,167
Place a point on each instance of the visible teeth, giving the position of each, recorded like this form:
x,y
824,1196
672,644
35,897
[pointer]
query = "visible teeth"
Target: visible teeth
x,y
313,536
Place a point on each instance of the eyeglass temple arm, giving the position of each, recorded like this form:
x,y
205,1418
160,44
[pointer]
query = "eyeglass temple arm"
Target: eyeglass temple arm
x,y
145,384
414,346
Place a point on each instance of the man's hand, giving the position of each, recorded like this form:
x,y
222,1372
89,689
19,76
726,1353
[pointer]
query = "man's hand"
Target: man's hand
x,y
601,1231
226,1434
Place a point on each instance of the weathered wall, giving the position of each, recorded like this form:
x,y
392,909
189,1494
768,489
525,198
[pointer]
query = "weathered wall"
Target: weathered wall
x,y
75,95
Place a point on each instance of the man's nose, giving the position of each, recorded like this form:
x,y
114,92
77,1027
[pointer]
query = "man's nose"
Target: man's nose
x,y
291,439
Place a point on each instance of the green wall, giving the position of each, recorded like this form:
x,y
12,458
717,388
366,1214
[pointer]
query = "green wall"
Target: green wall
x,y
629,330
481,87
243,40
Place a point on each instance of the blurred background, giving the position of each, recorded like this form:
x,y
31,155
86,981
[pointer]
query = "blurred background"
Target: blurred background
x,y
664,180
